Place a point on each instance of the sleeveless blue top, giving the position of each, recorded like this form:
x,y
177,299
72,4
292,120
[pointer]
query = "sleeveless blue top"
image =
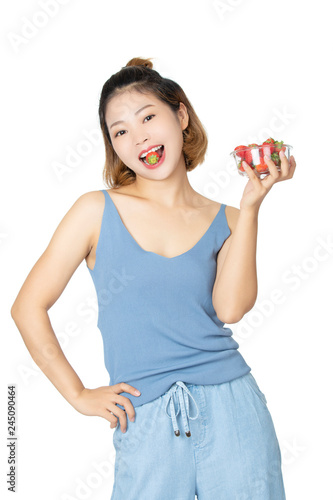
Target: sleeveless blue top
x,y
156,315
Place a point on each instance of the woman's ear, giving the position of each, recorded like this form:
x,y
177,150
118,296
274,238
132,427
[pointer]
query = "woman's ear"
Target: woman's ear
x,y
183,116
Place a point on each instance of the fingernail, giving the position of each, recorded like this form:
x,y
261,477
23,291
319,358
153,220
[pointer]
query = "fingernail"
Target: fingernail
x,y
132,419
266,157
123,431
137,393
282,154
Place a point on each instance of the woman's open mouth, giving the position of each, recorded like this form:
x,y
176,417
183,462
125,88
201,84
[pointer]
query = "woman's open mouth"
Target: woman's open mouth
x,y
154,157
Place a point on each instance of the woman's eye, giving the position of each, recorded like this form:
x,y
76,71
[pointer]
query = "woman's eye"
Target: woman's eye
x,y
149,116
124,130
119,132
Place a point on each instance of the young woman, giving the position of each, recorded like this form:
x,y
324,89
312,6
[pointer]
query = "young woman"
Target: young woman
x,y
170,270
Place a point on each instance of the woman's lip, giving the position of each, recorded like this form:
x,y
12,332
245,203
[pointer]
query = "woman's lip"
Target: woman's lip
x,y
160,161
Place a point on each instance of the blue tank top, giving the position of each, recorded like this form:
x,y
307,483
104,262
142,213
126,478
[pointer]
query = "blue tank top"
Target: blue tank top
x,y
156,315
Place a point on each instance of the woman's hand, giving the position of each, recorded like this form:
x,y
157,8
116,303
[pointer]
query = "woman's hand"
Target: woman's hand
x,y
256,188
102,401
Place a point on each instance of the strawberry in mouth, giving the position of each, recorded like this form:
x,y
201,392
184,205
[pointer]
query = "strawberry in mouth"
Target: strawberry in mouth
x,y
153,156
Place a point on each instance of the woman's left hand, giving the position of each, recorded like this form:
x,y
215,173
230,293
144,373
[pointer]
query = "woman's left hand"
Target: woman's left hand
x,y
256,188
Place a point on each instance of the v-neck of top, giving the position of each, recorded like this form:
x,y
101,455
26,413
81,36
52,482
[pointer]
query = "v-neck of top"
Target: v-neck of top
x,y
220,211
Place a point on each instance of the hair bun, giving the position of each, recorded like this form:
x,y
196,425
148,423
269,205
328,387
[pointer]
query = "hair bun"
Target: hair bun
x,y
138,61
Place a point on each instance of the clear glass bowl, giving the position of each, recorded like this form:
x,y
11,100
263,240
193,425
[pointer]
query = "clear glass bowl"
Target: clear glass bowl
x,y
255,157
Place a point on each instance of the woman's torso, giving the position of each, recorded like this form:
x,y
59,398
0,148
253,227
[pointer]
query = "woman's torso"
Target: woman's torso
x,y
155,310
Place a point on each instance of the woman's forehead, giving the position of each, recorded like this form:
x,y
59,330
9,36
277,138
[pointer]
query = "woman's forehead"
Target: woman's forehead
x,y
132,97
130,101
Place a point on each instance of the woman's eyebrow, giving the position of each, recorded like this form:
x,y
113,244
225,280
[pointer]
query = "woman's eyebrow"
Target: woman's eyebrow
x,y
137,112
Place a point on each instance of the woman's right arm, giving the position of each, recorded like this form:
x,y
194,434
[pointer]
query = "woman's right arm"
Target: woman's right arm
x,y
70,244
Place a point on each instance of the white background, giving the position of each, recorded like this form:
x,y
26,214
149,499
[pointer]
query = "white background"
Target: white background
x,y
252,69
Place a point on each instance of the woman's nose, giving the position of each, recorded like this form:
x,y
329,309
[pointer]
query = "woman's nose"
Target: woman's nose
x,y
141,141
140,136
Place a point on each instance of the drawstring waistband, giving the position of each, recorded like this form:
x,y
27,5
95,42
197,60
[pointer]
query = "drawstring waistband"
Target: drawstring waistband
x,y
179,388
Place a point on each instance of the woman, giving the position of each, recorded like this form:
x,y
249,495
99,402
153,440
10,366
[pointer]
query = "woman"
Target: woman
x,y
170,268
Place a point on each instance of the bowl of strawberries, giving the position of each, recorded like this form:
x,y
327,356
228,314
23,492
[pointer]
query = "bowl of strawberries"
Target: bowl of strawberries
x,y
254,155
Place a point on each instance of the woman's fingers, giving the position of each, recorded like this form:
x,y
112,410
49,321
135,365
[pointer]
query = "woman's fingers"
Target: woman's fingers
x,y
292,166
284,164
254,176
114,424
118,414
251,172
116,398
113,420
273,171
257,189
125,402
123,387
109,417
286,172
287,168
121,414
103,401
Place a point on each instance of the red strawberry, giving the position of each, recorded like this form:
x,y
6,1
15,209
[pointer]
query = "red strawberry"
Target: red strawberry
x,y
261,167
248,157
269,141
248,153
241,154
278,146
268,147
152,157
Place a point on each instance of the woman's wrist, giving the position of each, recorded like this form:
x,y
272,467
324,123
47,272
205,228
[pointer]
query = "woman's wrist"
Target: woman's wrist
x,y
249,212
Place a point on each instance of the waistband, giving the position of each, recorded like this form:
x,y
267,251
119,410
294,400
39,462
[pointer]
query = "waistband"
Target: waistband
x,y
179,389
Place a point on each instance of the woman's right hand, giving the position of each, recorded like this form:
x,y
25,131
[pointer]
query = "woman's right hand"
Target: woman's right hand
x,y
101,401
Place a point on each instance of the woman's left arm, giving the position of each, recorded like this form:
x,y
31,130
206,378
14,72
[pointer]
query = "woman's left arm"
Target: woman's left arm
x,y
235,287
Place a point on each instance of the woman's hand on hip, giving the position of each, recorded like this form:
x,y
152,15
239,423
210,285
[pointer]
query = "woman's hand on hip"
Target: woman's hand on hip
x,y
102,401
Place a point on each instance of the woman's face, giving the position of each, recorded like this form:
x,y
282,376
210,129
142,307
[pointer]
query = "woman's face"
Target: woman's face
x,y
142,129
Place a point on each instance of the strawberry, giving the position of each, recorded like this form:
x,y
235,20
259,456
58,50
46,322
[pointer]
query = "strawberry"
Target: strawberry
x,y
268,147
261,167
253,155
241,154
278,146
269,141
248,154
152,157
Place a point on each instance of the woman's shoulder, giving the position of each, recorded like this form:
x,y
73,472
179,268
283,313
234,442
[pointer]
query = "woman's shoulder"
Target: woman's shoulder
x,y
92,203
90,206
232,214
90,199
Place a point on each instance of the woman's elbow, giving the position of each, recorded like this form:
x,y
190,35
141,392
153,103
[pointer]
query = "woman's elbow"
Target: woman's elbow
x,y
229,317
18,309
234,316
14,310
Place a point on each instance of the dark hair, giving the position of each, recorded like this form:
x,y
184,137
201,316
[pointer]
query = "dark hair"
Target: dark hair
x,y
139,75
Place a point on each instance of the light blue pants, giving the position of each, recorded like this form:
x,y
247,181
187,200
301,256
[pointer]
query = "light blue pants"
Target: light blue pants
x,y
214,441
